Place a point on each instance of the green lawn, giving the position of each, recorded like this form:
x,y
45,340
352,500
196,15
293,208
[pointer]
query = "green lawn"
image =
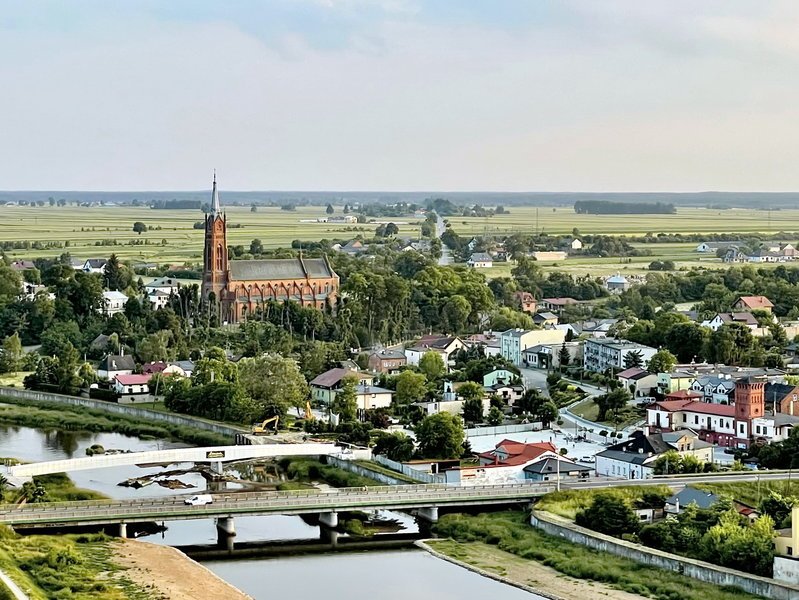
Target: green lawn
x,y
751,492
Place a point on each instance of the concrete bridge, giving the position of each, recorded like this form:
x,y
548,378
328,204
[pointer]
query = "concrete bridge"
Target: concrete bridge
x,y
215,455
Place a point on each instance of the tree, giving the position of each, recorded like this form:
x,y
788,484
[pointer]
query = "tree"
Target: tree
x,y
547,413
473,410
563,356
687,341
274,382
633,358
662,361
495,416
67,370
440,436
391,229
11,355
113,277
611,402
155,347
432,365
411,387
139,227
396,446
345,402
346,209
778,507
256,247
330,210
609,514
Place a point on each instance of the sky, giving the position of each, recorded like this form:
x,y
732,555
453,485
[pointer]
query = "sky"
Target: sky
x,y
405,95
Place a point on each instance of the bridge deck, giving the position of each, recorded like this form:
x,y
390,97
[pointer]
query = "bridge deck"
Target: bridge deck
x,y
291,502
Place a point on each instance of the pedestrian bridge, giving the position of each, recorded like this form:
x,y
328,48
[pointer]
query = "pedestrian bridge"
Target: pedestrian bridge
x,y
215,455
225,506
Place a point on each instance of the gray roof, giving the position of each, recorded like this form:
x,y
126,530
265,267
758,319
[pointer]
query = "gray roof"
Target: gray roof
x,y
371,389
689,495
96,263
628,457
279,268
389,354
551,465
481,257
117,363
186,365
781,419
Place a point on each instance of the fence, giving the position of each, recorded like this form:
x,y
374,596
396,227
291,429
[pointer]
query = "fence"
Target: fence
x,y
130,411
697,569
503,429
415,474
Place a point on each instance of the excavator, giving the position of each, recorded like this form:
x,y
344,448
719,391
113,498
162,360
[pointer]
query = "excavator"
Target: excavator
x,y
263,428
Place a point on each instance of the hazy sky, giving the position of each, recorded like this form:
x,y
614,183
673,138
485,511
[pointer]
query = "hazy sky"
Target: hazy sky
x,y
516,95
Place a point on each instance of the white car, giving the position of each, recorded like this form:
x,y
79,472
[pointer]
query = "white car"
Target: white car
x,y
587,459
199,500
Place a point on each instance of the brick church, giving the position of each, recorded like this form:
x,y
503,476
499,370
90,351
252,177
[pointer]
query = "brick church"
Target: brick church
x,y
241,286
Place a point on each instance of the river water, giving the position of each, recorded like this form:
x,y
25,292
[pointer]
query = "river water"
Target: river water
x,y
335,576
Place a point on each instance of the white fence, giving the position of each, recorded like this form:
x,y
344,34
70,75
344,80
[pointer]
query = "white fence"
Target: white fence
x,y
502,429
415,474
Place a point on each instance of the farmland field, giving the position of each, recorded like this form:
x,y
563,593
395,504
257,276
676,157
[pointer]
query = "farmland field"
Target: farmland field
x,y
85,228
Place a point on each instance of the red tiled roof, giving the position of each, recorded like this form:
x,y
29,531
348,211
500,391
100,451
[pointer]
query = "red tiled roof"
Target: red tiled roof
x,y
683,395
705,408
560,301
756,302
519,453
632,372
153,367
133,379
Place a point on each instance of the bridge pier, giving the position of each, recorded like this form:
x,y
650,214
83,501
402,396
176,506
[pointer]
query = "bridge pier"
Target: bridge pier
x,y
123,530
217,467
429,514
225,532
329,519
329,536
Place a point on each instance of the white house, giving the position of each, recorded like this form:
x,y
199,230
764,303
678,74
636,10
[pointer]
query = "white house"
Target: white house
x,y
113,365
746,318
638,382
114,302
158,298
94,265
602,354
164,284
446,346
480,260
132,388
514,342
547,356
370,397
617,284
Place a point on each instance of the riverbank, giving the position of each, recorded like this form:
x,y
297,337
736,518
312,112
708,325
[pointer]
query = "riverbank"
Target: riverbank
x,y
487,539
43,415
168,573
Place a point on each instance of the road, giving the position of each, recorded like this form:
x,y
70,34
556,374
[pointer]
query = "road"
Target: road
x,y
446,254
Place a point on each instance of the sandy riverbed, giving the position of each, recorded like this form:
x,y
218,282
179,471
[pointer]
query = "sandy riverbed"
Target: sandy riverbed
x,y
170,574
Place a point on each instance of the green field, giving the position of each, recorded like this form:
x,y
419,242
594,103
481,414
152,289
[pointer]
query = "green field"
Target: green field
x,y
274,227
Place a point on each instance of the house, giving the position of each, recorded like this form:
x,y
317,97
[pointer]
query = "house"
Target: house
x,y
786,551
480,260
635,457
676,503
498,376
488,341
163,284
113,365
674,381
753,303
113,303
151,368
505,463
94,265
718,389
599,355
386,361
158,298
99,343
595,328
445,345
514,342
782,398
716,246
569,244
353,247
420,246
131,389
733,255
525,301
324,386
745,318
639,382
617,284
181,368
508,393
556,305
551,469
545,319
22,265
370,397
547,356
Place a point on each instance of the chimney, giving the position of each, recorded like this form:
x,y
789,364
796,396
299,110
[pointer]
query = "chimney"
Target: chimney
x,y
122,350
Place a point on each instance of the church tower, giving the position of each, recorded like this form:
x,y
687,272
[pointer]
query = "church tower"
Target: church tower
x,y
215,261
750,403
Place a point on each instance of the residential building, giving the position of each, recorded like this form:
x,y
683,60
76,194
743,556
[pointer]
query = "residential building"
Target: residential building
x,y
445,345
239,287
617,284
569,244
505,464
718,389
480,260
526,302
113,365
488,341
545,320
163,284
371,397
158,298
782,398
753,303
22,265
131,389
715,246
386,361
499,376
676,503
635,457
745,318
181,368
113,303
599,355
551,469
674,381
509,393
542,255
547,356
786,546
733,255
556,305
514,342
324,386
599,328
639,382
94,265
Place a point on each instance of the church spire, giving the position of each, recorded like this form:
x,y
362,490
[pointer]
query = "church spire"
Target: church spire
x,y
215,210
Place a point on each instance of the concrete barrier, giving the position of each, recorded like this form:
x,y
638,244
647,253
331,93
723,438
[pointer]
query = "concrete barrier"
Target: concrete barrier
x,y
353,467
126,410
697,569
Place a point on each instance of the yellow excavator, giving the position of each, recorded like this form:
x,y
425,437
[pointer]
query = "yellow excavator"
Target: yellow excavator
x,y
263,428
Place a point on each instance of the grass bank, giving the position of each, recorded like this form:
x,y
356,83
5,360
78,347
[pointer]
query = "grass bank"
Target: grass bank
x,y
750,492
29,413
568,503
301,470
67,566
511,532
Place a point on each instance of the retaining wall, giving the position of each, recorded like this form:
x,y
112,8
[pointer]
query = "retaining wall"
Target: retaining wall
x,y
697,569
354,467
415,474
127,410
503,429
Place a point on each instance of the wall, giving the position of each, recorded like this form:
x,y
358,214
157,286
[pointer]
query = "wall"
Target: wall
x,y
696,569
130,411
353,467
786,570
502,429
415,474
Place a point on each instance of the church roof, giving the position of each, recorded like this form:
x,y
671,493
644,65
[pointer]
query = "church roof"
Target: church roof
x,y
279,268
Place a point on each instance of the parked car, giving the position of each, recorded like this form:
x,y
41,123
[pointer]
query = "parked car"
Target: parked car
x,y
199,500
588,459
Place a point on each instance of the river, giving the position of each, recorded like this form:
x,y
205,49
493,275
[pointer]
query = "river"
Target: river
x,y
336,576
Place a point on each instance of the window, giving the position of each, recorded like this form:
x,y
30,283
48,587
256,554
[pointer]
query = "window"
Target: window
x,y
789,550
741,428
